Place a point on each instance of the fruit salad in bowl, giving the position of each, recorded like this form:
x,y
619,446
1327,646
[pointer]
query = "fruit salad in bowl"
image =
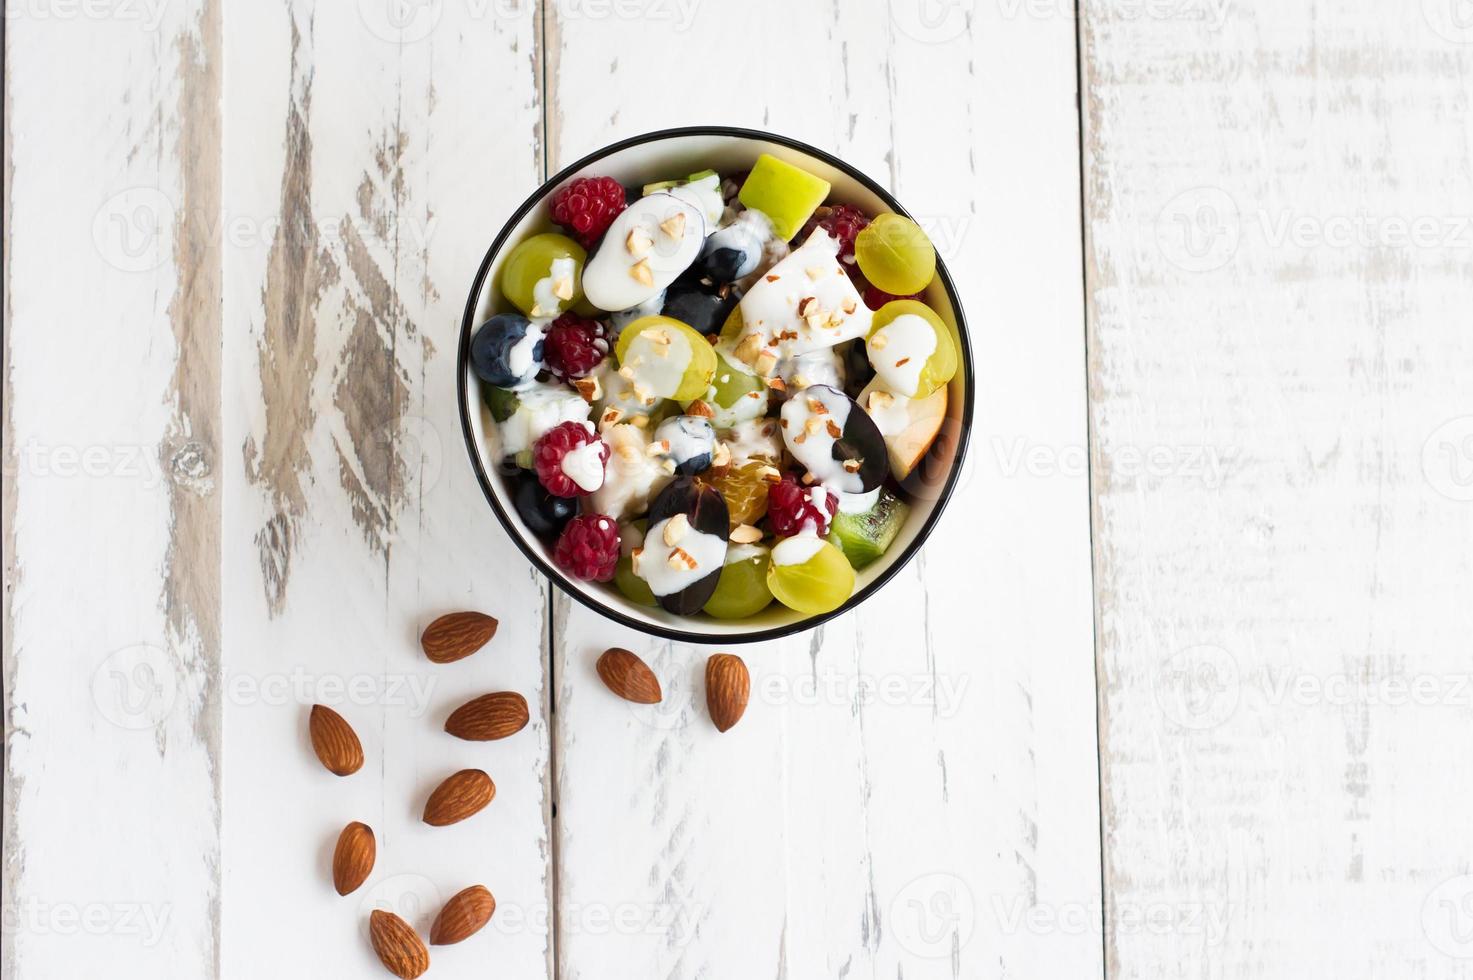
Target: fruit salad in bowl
x,y
715,383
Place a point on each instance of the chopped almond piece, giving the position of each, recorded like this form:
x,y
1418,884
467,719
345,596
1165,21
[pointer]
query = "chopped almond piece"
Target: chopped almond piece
x,y
563,288
701,410
641,271
676,528
639,242
834,430
852,465
682,559
745,534
589,388
902,362
674,226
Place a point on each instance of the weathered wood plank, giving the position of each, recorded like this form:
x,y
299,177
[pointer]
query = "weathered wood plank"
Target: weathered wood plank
x,y
370,159
945,822
1279,284
112,505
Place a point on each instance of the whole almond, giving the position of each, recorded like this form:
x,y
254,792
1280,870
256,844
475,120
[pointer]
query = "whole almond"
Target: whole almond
x,y
352,859
461,795
334,741
727,686
628,676
398,946
489,717
463,916
456,636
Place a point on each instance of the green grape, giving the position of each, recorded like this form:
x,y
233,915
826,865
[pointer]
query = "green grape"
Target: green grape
x,y
733,381
818,585
742,589
501,401
895,255
940,366
788,195
531,262
635,589
687,352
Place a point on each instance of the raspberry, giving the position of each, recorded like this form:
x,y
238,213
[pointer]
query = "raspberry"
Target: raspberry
x,y
793,508
587,207
574,345
844,222
588,548
874,297
554,445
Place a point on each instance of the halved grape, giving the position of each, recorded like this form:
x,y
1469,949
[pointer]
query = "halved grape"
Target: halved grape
x,y
742,589
664,358
810,575
895,255
543,275
910,348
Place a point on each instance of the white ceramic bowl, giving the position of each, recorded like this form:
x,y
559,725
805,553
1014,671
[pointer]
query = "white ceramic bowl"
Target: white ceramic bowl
x,y
653,156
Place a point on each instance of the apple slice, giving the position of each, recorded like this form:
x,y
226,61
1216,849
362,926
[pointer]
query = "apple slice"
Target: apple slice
x,y
909,425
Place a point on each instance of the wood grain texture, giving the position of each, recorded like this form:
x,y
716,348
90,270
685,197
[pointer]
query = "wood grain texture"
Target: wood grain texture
x,y
112,519
368,165
912,789
1279,253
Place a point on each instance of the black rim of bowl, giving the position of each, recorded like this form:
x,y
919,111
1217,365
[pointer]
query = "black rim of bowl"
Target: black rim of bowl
x,y
467,327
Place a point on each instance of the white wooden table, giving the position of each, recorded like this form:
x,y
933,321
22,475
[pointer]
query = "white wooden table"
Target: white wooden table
x,y
1181,688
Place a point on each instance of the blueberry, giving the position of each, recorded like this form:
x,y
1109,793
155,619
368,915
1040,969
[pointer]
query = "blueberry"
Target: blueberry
x,y
703,310
734,251
723,264
544,514
692,442
507,350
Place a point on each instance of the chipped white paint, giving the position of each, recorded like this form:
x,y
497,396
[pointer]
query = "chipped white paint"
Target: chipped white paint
x,y
112,823
340,385
1280,281
946,823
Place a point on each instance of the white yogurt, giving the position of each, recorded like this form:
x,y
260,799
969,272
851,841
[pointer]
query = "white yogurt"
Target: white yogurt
x,y
819,367
560,278
696,554
797,549
890,412
704,194
813,420
628,269
522,358
618,392
805,303
685,437
754,439
899,350
585,465
745,552
858,503
655,362
632,476
540,407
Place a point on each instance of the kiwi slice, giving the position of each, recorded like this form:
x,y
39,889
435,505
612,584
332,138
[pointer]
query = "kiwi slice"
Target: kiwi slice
x,y
866,536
